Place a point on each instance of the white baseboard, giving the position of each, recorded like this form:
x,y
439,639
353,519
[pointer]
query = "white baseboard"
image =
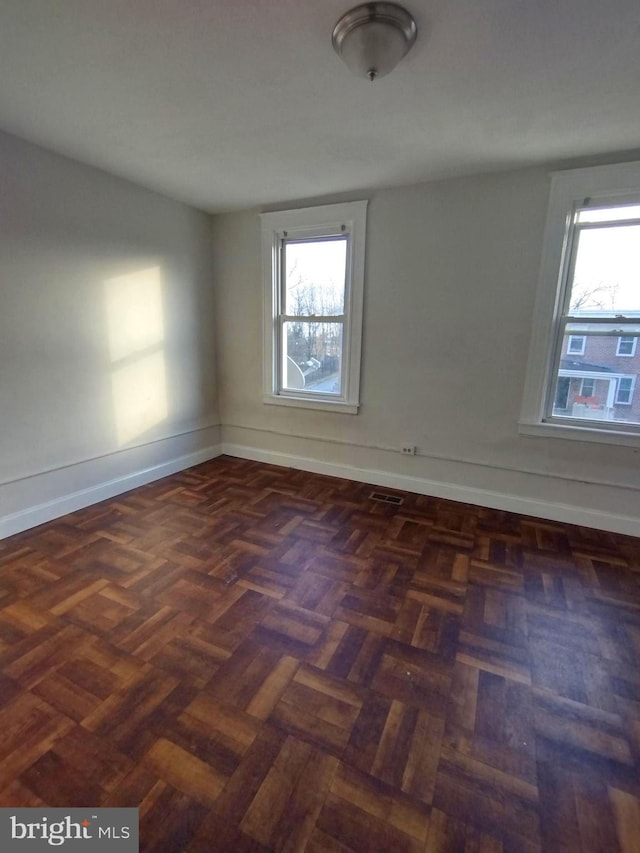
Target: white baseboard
x,y
40,513
68,499
551,511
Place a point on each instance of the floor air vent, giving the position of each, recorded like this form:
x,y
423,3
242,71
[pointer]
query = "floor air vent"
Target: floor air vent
x,y
384,498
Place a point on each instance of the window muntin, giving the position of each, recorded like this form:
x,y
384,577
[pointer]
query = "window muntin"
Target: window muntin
x,y
313,266
599,306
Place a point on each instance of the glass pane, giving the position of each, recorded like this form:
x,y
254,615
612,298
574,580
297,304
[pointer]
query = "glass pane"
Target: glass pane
x,y
607,271
315,277
312,357
609,214
599,384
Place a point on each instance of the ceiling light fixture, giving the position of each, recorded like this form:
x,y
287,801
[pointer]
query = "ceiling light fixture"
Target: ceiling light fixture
x,y
373,38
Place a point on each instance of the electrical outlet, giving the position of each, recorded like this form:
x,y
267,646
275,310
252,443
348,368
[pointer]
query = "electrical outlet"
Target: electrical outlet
x,y
409,449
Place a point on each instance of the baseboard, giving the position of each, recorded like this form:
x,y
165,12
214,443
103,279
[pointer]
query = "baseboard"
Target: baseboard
x,y
69,500
551,511
39,514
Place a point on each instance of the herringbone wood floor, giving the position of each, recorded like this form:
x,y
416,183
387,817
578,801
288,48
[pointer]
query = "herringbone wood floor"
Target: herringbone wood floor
x,y
264,659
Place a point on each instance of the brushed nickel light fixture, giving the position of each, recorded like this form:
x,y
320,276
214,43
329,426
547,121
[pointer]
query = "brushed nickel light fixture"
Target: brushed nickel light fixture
x,y
373,38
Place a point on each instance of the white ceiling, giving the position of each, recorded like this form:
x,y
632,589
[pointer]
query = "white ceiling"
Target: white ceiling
x,y
235,103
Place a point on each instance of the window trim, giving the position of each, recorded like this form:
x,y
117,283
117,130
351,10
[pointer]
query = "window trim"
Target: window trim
x,y
633,347
314,222
604,184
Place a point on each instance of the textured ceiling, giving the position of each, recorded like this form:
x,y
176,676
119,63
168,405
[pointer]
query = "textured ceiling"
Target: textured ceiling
x,y
236,103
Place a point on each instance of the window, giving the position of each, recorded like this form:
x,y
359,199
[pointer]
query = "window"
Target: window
x,y
576,345
588,301
626,345
624,394
588,386
313,263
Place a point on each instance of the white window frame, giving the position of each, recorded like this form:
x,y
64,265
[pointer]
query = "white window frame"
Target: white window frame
x,y
570,351
582,338
626,354
331,220
618,183
628,402
572,338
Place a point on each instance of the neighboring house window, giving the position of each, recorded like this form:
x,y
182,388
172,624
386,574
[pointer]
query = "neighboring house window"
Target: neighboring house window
x,y
624,394
626,345
587,296
587,387
313,268
576,345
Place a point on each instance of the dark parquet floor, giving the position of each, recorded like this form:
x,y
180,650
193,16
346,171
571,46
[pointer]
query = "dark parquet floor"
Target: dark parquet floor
x,y
265,659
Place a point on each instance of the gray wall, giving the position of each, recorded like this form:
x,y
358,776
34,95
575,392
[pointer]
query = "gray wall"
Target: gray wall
x,y
451,276
106,317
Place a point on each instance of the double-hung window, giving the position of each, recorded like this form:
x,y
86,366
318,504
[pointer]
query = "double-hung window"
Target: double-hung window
x,y
313,268
627,346
589,292
576,345
626,386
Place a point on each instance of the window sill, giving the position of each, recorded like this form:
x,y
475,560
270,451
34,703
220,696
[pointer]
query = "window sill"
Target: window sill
x,y
336,406
579,433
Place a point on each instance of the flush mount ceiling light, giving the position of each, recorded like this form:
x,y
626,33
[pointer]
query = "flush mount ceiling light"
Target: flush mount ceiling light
x,y
373,38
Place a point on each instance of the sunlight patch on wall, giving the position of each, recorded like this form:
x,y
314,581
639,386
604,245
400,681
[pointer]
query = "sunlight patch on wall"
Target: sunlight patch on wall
x,y
134,312
136,345
139,396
